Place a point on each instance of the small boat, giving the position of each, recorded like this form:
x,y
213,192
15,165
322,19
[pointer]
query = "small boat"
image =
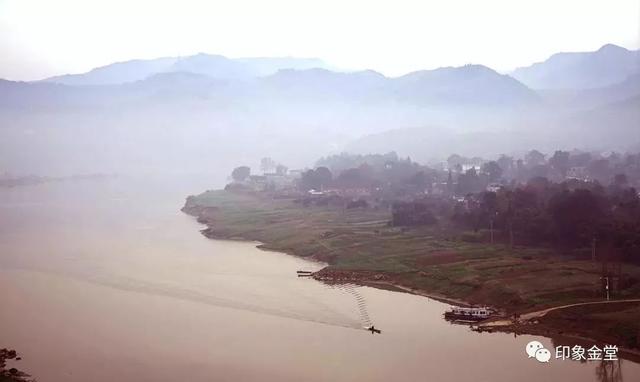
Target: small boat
x,y
458,313
373,330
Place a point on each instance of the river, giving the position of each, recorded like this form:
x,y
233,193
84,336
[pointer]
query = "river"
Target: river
x,y
106,280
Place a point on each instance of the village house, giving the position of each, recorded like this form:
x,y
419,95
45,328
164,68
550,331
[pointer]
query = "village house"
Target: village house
x,y
579,173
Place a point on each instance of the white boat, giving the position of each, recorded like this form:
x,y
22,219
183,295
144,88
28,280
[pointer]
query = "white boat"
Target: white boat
x,y
468,314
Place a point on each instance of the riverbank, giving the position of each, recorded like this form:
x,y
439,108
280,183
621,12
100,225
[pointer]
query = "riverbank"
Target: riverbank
x,y
616,322
361,247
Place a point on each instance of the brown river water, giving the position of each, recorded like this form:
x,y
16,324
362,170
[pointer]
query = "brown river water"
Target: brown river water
x,y
106,280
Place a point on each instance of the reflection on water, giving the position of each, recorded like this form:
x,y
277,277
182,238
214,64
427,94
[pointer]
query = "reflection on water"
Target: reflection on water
x,y
107,280
608,371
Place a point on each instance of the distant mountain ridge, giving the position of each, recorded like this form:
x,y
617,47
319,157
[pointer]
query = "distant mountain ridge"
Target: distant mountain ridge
x,y
469,84
208,110
296,80
608,65
215,66
204,75
116,73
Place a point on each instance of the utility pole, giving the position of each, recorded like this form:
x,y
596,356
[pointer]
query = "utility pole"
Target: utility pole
x,y
606,286
610,278
605,273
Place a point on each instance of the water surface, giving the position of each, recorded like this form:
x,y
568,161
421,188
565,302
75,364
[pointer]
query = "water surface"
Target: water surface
x,y
107,280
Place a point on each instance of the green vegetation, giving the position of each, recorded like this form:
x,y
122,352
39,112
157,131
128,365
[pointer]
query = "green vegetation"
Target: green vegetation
x,y
438,259
617,323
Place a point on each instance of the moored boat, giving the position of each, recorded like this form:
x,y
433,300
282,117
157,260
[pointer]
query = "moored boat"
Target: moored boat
x,y
468,314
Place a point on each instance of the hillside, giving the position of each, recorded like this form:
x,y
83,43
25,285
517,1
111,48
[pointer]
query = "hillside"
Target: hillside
x,y
467,85
134,113
581,70
215,66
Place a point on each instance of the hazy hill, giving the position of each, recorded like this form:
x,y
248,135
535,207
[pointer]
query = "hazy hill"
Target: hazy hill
x,y
216,66
322,85
612,126
117,73
181,119
264,66
30,97
576,99
465,85
207,111
429,143
471,86
581,70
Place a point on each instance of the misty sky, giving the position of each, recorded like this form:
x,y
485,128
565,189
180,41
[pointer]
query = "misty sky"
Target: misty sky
x,y
40,38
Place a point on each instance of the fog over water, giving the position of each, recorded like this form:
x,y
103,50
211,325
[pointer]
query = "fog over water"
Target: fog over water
x,y
107,280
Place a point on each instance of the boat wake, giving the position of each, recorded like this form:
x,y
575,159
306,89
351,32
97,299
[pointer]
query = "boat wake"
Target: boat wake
x,y
363,311
319,312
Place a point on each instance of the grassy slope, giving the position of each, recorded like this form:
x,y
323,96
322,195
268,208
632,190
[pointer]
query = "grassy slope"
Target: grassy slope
x,y
429,259
617,323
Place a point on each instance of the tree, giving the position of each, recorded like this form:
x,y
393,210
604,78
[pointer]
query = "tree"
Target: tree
x,y
505,162
579,160
323,177
449,183
623,229
308,181
620,180
534,158
281,169
240,174
456,161
600,170
469,182
560,162
618,191
317,179
488,210
539,171
418,179
489,202
493,170
576,214
539,184
355,177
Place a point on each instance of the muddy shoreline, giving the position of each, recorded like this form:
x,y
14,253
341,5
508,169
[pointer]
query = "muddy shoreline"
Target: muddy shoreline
x,y
373,279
